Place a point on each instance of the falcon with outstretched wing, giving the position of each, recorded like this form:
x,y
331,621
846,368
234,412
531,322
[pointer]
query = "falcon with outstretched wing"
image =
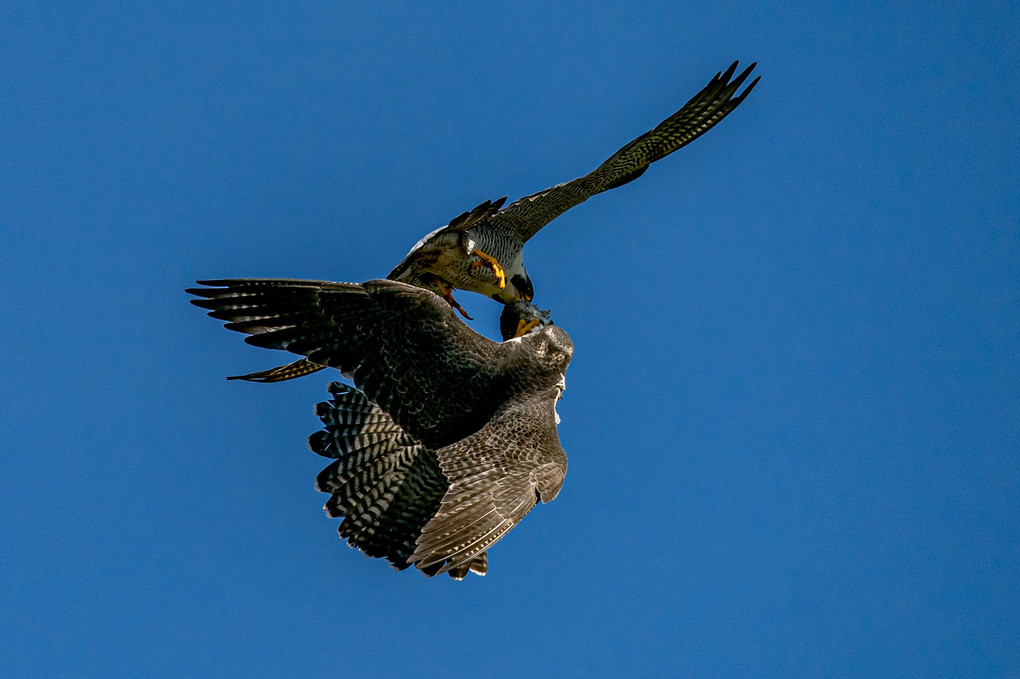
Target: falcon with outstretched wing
x,y
482,250
449,439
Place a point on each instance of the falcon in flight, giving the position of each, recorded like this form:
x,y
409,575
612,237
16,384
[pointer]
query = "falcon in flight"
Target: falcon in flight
x,y
449,438
482,250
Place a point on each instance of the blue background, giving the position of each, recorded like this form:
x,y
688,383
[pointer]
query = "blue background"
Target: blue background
x,y
793,416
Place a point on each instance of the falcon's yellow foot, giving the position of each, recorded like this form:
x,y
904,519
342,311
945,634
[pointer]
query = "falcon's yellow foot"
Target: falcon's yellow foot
x,y
447,293
491,263
523,327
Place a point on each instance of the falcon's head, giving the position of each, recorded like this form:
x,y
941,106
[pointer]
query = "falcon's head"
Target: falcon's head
x,y
549,343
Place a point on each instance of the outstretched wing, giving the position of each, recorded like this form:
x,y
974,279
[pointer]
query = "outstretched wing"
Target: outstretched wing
x,y
496,477
523,218
402,345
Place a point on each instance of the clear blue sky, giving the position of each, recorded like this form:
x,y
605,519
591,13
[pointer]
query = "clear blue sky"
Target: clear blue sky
x,y
793,416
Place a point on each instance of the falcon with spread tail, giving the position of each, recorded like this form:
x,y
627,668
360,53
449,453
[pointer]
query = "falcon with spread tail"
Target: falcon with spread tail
x,y
482,250
449,438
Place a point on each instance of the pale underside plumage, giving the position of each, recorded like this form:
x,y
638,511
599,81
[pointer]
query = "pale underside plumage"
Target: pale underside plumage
x,y
453,440
448,256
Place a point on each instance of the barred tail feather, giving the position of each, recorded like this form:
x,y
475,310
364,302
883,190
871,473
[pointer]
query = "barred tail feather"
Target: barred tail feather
x,y
384,484
479,565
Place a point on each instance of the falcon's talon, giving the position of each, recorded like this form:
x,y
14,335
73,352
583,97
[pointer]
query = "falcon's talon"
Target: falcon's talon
x,y
447,293
524,327
491,263
458,307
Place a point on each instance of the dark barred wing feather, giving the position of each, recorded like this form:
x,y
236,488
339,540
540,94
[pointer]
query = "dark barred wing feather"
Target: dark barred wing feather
x,y
291,371
523,218
402,345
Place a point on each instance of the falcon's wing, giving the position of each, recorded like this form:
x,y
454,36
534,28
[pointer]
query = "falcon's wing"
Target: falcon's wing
x,y
525,217
402,345
282,373
496,477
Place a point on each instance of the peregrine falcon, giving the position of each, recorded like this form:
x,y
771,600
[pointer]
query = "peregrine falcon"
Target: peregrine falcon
x,y
449,439
482,250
